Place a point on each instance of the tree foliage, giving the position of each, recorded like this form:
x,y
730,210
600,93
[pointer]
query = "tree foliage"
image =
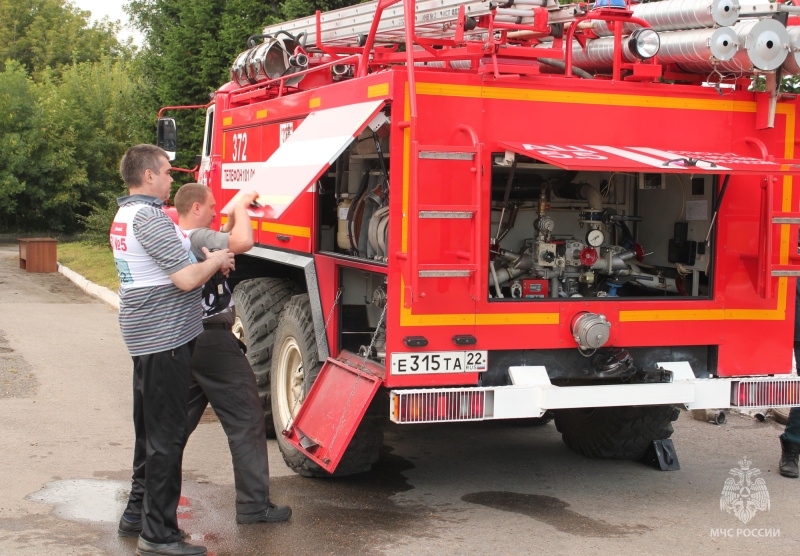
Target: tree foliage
x,y
69,107
42,34
62,141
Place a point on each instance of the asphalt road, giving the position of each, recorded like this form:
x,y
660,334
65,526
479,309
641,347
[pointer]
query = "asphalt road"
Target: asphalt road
x,y
66,447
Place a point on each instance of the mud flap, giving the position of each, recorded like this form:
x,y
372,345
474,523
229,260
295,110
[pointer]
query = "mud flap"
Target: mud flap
x,y
662,455
335,405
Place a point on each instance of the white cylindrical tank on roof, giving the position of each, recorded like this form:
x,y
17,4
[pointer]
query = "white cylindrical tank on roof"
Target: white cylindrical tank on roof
x,y
693,51
763,44
792,63
673,15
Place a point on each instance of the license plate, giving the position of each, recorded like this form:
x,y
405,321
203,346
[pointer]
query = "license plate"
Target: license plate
x,y
438,362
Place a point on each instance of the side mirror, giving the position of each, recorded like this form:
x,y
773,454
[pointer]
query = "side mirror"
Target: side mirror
x,y
167,136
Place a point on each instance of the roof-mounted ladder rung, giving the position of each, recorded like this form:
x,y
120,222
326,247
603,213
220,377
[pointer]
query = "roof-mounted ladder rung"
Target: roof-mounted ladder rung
x,y
434,18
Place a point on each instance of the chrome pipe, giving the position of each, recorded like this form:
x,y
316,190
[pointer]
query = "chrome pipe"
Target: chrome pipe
x,y
674,15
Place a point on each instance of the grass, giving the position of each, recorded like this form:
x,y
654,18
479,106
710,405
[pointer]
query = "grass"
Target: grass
x,y
96,264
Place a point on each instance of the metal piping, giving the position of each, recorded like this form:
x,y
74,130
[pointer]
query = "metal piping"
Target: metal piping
x,y
673,15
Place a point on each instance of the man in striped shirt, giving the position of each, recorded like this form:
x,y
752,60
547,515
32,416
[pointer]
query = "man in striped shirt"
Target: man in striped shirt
x,y
160,317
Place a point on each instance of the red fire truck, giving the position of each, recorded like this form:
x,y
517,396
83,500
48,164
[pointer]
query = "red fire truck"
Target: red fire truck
x,y
480,210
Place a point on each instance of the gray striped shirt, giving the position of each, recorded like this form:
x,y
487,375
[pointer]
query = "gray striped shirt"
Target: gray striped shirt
x,y
158,318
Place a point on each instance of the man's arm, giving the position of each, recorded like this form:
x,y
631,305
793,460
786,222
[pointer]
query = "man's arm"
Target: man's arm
x,y
239,225
195,275
156,232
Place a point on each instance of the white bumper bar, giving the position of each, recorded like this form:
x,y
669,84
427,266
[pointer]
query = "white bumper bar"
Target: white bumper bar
x,y
532,394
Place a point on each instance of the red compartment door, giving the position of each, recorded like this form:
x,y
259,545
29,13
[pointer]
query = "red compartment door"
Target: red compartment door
x,y
333,409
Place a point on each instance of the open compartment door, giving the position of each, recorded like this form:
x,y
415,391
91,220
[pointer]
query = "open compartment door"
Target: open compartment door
x,y
305,156
334,407
606,158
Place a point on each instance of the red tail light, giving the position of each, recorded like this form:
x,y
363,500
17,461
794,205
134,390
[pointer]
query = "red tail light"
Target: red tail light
x,y
767,393
433,406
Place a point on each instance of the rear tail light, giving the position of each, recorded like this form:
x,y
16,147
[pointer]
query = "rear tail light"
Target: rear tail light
x,y
437,407
766,393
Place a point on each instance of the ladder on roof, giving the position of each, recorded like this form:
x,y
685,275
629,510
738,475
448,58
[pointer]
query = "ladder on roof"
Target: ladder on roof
x,y
434,19
343,27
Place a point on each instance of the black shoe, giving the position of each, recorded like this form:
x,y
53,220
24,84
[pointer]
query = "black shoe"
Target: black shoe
x,y
272,514
179,548
129,526
790,453
132,527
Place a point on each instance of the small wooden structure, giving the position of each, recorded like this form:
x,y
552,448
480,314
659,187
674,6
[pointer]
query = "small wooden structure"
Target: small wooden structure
x,y
38,254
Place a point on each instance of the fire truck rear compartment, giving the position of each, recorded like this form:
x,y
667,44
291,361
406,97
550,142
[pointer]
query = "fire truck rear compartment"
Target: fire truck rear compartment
x,y
554,233
560,234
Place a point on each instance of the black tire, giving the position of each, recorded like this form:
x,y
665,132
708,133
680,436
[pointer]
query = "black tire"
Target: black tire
x,y
259,303
294,368
615,432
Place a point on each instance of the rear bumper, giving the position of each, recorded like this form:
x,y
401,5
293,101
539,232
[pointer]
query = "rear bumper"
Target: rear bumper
x,y
532,394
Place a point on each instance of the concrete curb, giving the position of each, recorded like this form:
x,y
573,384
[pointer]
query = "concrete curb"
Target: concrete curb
x,y
101,293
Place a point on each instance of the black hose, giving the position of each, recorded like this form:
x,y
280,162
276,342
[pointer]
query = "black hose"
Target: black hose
x,y
562,65
384,172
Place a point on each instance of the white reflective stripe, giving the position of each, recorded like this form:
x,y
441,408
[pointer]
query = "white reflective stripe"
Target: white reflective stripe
x,y
672,156
631,155
308,152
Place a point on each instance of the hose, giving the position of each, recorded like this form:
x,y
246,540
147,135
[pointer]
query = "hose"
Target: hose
x,y
560,64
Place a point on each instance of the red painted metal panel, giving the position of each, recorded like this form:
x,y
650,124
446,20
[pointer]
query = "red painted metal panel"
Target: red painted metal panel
x,y
331,412
647,159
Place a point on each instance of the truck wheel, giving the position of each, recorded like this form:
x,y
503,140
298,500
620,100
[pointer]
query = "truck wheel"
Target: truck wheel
x,y
615,432
259,303
294,369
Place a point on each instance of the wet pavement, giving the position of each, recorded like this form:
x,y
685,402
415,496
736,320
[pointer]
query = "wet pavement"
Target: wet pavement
x,y
471,488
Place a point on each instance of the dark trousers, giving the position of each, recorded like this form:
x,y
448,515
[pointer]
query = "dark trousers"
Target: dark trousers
x,y
160,409
222,375
792,431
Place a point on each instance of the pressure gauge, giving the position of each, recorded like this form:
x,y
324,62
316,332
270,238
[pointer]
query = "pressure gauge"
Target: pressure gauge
x,y
595,238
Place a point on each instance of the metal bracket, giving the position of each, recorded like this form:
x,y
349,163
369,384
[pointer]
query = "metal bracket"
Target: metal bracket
x,y
689,162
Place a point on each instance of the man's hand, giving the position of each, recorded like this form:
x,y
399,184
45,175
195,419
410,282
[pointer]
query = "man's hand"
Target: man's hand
x,y
248,198
223,259
195,275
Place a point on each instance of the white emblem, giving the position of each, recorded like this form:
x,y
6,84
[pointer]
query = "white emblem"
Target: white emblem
x,y
744,494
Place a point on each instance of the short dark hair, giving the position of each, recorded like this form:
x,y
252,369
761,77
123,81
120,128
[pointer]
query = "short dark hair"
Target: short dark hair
x,y
188,195
139,158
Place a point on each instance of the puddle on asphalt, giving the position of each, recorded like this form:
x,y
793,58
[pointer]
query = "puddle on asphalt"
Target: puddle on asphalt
x,y
553,512
93,500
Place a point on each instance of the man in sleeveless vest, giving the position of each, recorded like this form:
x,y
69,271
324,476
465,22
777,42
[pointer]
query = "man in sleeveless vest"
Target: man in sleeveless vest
x,y
160,317
220,371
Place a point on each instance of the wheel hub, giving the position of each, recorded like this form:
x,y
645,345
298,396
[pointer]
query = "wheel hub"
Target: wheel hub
x,y
291,379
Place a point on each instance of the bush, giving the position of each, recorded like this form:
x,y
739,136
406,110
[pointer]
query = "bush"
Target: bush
x,y
98,223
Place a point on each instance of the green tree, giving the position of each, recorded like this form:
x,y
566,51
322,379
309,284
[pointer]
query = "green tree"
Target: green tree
x,y
68,143
18,96
53,34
